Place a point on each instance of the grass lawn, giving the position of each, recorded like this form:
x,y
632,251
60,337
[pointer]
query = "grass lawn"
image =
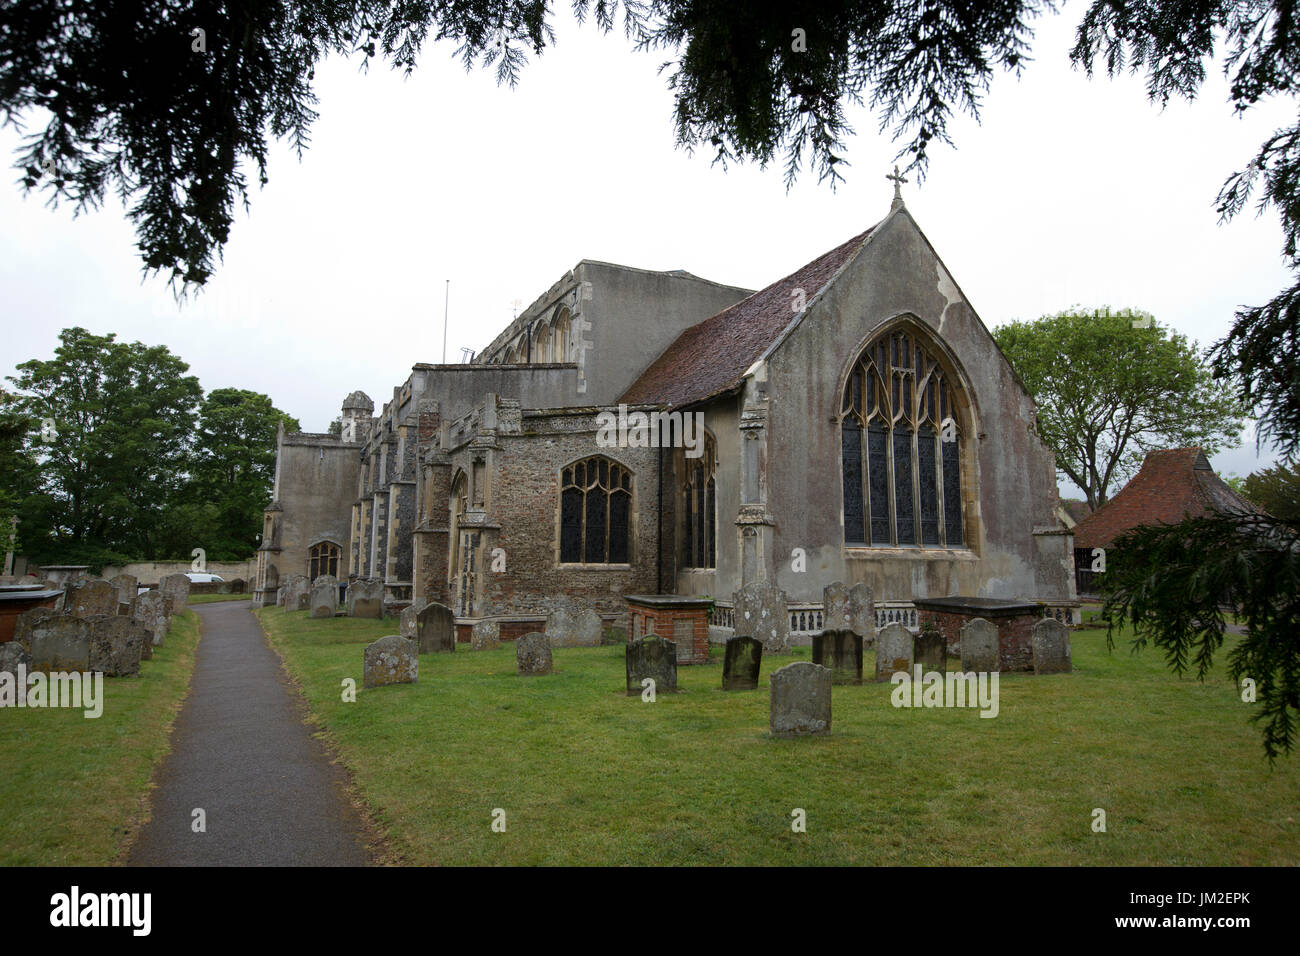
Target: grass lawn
x,y
587,775
213,598
71,788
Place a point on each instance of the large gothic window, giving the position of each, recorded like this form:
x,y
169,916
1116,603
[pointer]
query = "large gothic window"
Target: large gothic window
x,y
595,512
699,533
901,449
324,559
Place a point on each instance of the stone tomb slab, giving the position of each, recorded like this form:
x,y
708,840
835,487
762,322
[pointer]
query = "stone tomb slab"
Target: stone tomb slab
x,y
801,700
741,664
435,628
653,657
390,660
841,651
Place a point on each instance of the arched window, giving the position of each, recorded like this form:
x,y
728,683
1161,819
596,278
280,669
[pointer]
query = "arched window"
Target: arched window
x,y
901,448
560,338
699,510
542,343
595,512
324,559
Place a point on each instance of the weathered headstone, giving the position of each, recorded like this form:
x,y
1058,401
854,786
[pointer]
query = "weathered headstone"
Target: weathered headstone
x,y
653,657
12,656
841,651
324,596
760,611
150,610
297,593
567,627
406,625
740,666
60,643
930,651
846,609
366,598
390,660
127,585
486,636
1051,641
533,654
435,628
894,649
89,597
279,596
27,620
116,645
801,700
979,647
176,589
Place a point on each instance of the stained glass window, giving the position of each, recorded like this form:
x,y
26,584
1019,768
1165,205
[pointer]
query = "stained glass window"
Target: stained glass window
x,y
900,448
595,513
324,559
699,545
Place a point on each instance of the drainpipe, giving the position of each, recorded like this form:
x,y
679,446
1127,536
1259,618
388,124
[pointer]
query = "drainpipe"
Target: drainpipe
x,y
659,549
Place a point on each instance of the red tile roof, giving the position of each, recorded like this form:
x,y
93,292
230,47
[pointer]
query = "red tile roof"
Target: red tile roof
x,y
1172,484
712,357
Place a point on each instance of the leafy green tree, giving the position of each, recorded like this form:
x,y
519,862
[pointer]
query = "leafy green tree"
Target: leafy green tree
x,y
1111,386
1277,491
121,426
18,469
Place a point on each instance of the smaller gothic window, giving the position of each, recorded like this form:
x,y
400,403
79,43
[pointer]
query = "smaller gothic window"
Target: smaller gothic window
x,y
595,512
699,507
324,559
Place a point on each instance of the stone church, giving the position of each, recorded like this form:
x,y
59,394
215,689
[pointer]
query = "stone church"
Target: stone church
x,y
859,424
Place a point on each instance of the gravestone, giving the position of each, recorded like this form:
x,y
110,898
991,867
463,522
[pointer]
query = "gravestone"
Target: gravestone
x,y
740,666
116,645
90,597
390,660
176,589
1051,641
60,643
533,654
760,612
841,651
435,628
127,585
366,598
279,596
324,596
406,625
570,626
26,621
930,651
297,593
979,646
12,656
150,610
653,657
894,649
486,636
801,700
588,629
846,609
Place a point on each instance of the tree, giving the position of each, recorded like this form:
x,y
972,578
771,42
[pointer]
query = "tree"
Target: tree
x,y
112,426
18,470
1277,491
1111,386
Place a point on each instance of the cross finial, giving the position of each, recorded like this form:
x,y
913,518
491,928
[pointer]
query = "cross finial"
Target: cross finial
x,y
898,193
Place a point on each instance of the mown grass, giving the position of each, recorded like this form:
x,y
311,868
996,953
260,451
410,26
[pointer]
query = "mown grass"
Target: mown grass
x,y
72,788
213,598
587,775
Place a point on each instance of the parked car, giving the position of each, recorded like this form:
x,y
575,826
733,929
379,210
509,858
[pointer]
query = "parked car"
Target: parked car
x,y
202,577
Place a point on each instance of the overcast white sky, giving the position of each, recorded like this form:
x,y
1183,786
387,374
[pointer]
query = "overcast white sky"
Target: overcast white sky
x,y
1069,192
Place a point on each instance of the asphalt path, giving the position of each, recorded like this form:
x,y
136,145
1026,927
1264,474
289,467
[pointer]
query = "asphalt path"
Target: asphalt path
x,y
242,754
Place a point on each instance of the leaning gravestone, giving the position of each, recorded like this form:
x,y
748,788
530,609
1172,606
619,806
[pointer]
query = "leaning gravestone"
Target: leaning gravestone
x,y
930,651
760,611
116,645
27,620
741,664
652,657
12,656
86,598
894,648
435,628
406,625
366,598
127,585
390,660
324,596
176,589
150,609
61,643
1051,641
801,700
486,636
533,654
979,647
841,651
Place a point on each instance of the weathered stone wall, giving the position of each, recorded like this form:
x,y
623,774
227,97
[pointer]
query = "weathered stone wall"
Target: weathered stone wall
x,y
151,572
316,485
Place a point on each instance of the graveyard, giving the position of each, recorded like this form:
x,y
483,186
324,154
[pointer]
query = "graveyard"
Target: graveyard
x,y
587,772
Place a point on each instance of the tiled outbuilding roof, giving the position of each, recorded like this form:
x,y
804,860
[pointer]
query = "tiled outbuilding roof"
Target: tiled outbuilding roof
x,y
712,357
1172,484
